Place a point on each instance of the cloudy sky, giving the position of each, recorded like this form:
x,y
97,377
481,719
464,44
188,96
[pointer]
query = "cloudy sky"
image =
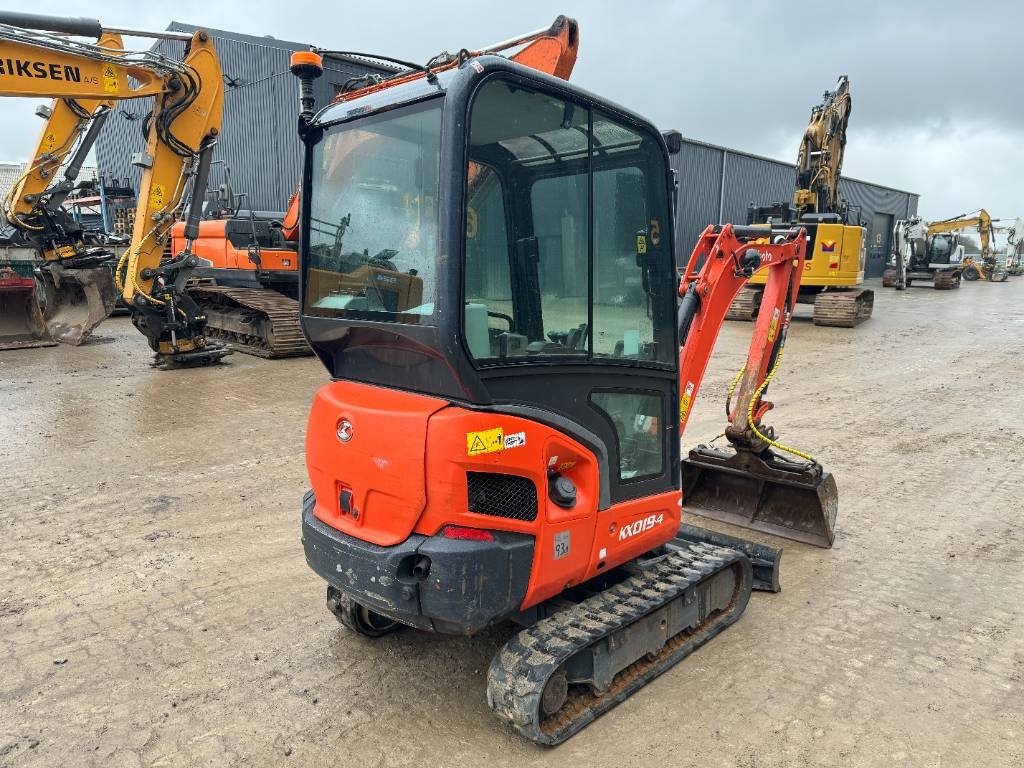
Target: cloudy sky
x,y
937,95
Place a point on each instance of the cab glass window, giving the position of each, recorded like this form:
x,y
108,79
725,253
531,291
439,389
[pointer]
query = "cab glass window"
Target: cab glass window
x,y
566,234
372,232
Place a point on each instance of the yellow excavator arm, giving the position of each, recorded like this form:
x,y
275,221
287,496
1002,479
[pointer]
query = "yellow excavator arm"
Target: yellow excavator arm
x,y
65,139
42,56
982,222
820,159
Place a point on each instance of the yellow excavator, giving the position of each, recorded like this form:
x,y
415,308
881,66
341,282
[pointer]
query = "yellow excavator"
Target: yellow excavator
x,y
834,269
932,251
85,69
986,268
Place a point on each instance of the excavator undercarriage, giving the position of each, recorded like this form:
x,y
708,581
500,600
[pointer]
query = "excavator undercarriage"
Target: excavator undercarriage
x,y
258,322
615,636
837,308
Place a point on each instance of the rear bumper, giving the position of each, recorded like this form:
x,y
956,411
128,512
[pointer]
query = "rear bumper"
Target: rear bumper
x,y
468,586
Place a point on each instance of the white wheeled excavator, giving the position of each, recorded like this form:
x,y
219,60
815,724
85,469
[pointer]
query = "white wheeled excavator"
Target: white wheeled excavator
x,y
933,251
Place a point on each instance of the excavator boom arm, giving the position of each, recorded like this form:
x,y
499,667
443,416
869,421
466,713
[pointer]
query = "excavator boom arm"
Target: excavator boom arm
x,y
63,138
181,132
552,50
730,255
750,485
820,159
982,222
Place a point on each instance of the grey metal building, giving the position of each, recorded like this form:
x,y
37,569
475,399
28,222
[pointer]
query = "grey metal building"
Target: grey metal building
x,y
258,142
717,185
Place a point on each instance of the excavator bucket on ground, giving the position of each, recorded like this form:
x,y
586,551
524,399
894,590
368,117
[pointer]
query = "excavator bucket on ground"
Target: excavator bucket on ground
x,y
21,321
794,500
77,300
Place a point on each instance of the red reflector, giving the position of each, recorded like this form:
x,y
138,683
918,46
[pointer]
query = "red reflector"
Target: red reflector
x,y
833,265
466,534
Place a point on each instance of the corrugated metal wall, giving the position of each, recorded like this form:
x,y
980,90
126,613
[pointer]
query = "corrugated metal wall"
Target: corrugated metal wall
x,y
258,141
717,185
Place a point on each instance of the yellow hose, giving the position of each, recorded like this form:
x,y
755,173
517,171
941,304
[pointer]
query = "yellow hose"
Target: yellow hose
x,y
750,413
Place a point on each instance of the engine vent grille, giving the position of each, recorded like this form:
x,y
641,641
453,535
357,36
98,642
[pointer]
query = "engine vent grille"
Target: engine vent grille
x,y
502,496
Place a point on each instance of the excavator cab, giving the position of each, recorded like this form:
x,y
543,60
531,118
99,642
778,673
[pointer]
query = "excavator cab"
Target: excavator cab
x,y
499,240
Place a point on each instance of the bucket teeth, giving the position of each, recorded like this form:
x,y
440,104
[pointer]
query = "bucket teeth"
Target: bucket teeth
x,y
765,493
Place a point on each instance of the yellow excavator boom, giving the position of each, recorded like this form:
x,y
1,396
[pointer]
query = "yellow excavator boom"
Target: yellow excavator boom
x,y
820,158
42,56
982,222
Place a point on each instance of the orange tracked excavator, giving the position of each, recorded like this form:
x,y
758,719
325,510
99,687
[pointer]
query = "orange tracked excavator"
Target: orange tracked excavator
x,y
488,278
252,301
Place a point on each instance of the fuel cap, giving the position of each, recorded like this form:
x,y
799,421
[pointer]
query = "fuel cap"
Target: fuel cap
x,y
562,491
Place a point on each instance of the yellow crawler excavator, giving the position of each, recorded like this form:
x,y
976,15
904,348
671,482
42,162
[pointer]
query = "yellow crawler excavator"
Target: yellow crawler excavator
x,y
83,67
834,270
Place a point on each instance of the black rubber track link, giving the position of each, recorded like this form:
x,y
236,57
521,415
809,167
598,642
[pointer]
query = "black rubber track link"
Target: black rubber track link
x,y
521,670
843,309
745,305
275,315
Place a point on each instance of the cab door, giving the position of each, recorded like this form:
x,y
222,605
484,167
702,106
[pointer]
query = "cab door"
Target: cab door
x,y
568,276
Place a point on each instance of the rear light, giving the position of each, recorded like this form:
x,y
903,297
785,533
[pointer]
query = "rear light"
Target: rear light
x,y
463,533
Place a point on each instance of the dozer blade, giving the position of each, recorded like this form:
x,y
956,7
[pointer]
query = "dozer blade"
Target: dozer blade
x,y
764,560
77,300
21,321
789,499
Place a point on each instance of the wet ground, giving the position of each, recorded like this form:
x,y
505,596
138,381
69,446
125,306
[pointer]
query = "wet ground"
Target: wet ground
x,y
156,608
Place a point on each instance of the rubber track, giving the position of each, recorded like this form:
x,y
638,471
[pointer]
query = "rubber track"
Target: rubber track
x,y
843,309
519,672
745,305
286,339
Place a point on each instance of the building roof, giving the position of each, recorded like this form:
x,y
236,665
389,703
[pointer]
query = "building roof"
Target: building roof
x,y
270,41
732,151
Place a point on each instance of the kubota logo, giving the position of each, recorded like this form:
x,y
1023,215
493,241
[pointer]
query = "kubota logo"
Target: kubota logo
x,y
640,526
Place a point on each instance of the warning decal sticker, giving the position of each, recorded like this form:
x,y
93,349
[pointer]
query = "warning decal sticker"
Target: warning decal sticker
x,y
157,196
487,441
110,79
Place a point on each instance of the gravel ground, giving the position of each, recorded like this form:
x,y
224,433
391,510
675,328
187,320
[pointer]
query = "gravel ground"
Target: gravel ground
x,y
156,608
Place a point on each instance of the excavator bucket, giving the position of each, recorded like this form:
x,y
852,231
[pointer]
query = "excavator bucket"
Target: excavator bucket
x,y
77,300
793,500
21,321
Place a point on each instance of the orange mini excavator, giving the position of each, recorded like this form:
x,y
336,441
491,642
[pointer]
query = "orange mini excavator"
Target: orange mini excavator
x,y
251,303
488,278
